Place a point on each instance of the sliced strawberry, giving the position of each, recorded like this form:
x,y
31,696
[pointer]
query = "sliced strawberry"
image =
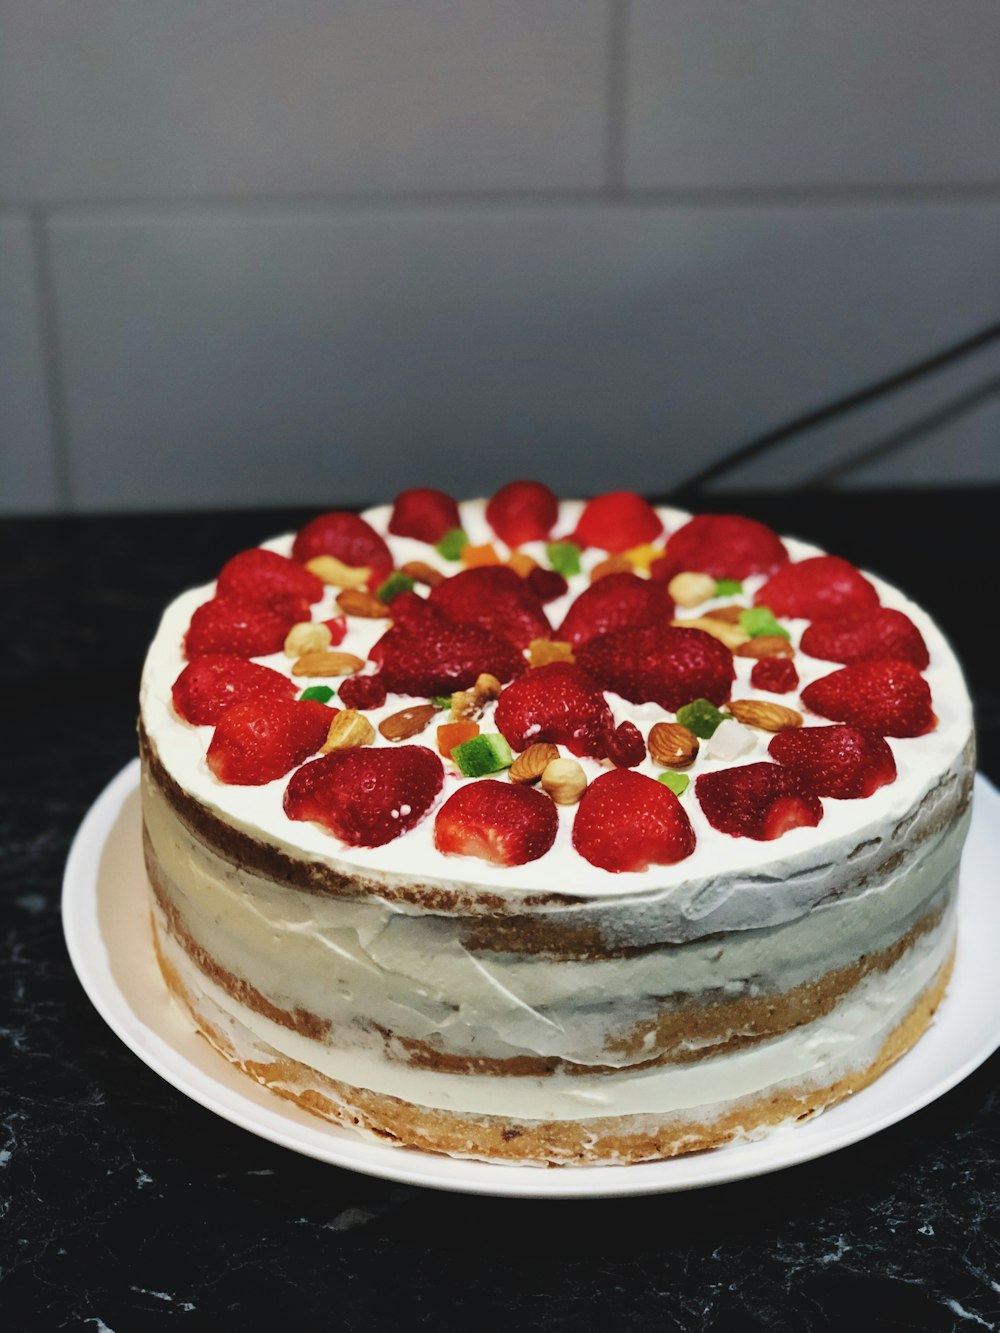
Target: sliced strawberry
x,y
547,584
628,822
660,664
362,692
776,674
425,514
891,698
432,655
866,635
760,801
624,746
264,578
618,521
522,511
348,537
494,598
615,602
822,585
260,740
366,796
496,821
726,546
238,630
836,761
557,703
211,684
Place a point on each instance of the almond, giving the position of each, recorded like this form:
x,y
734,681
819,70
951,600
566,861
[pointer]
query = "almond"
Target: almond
x,y
766,645
408,722
690,589
671,745
529,766
729,614
328,569
357,602
327,664
543,651
731,635
615,564
768,717
421,572
348,730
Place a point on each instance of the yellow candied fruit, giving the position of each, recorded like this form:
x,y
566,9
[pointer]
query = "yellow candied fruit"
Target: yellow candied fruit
x,y
642,557
521,563
474,556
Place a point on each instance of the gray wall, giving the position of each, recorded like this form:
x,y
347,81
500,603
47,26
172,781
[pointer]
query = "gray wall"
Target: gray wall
x,y
319,250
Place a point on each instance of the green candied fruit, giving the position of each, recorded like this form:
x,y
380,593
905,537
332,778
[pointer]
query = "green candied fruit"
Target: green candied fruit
x,y
488,753
452,544
396,583
701,717
677,782
564,557
727,587
758,620
441,700
321,693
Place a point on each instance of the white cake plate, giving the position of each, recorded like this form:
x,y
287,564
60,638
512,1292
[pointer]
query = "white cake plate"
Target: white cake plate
x,y
106,922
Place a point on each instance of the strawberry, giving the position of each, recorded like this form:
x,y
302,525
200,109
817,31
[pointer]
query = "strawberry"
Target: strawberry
x,y
660,664
776,674
547,584
617,522
425,514
264,578
241,631
432,655
615,602
209,685
889,697
366,796
760,801
881,632
494,598
350,539
836,761
628,822
557,703
259,740
409,608
522,511
726,546
496,821
822,585
362,692
624,746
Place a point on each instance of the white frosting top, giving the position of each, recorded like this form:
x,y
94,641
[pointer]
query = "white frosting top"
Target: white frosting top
x,y
413,859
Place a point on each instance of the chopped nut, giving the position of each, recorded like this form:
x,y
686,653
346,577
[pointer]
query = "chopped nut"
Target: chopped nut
x,y
408,722
466,705
614,564
543,651
731,635
766,716
487,686
308,636
421,572
357,602
348,730
671,745
564,780
328,569
529,766
765,645
327,664
690,589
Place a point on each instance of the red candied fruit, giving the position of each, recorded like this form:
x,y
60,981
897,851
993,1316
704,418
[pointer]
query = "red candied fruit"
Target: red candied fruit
x,y
211,684
496,821
822,585
362,692
776,674
615,602
237,630
760,801
368,796
628,822
547,584
617,522
337,625
264,578
726,546
866,635
557,703
891,698
624,746
348,537
660,664
839,761
260,740
430,655
425,514
522,511
494,598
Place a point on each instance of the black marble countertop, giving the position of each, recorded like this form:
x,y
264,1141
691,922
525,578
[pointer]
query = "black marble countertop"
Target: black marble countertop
x,y
126,1206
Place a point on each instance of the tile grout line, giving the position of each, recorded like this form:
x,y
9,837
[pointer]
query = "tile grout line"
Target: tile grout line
x,y
617,91
52,359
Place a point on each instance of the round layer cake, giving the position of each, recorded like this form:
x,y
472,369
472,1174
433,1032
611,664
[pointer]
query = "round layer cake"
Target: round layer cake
x,y
601,833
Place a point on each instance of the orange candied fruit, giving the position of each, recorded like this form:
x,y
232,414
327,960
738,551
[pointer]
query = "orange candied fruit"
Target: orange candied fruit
x,y
474,556
451,734
521,563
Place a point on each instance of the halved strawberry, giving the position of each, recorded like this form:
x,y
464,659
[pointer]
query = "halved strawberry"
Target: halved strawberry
x,y
367,796
350,539
362,692
760,801
431,655
522,511
865,635
618,521
891,698
494,598
238,630
615,602
660,664
628,822
211,684
496,821
557,703
726,546
776,674
261,739
424,513
839,761
822,585
624,746
264,578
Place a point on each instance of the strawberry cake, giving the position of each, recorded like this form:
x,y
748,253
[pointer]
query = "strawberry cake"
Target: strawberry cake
x,y
557,832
